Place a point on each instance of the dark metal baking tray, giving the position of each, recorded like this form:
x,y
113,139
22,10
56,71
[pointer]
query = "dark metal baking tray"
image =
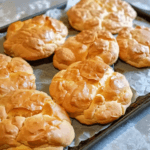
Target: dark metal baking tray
x,y
142,13
141,102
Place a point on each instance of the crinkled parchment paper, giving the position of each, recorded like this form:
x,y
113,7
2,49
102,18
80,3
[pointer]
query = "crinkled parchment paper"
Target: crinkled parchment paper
x,y
44,71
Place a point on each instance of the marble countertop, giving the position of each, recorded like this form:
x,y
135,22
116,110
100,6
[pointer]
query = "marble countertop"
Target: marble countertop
x,y
133,135
13,10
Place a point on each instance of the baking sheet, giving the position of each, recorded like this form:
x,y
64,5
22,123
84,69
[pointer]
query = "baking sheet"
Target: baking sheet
x,y
45,71
137,77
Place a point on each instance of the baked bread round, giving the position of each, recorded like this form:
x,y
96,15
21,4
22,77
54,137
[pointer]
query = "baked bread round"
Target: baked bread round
x,y
134,46
35,38
15,73
111,15
87,44
91,92
29,119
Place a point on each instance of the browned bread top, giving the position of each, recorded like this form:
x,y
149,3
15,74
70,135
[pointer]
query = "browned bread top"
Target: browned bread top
x,y
29,119
35,38
134,44
111,15
87,44
91,91
15,73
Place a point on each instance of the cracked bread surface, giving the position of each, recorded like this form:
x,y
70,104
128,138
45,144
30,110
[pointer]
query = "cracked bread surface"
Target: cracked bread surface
x,y
111,15
29,119
15,73
87,44
35,38
91,92
134,44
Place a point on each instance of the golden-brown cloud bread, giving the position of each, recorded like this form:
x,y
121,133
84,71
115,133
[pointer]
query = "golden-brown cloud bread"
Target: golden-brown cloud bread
x,y
15,73
134,46
35,38
91,92
111,15
29,119
87,44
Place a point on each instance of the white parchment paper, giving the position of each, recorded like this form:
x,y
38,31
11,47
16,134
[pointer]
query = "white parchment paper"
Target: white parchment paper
x,y
44,71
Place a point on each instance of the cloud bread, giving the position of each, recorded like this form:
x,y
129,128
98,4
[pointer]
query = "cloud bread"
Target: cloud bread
x,y
29,119
134,46
35,38
111,15
91,92
15,73
87,44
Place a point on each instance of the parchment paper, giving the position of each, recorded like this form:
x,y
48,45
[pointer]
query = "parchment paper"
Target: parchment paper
x,y
44,71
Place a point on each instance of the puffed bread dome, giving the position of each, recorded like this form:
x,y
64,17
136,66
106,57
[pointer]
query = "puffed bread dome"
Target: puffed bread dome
x,y
91,92
15,73
35,38
87,44
29,119
134,46
111,15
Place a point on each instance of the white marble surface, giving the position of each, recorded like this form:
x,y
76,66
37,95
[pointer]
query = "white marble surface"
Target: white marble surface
x,y
13,10
143,4
133,135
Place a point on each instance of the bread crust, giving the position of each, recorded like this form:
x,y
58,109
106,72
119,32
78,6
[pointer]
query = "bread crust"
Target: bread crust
x,y
15,73
111,15
29,119
87,44
35,38
91,92
134,44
